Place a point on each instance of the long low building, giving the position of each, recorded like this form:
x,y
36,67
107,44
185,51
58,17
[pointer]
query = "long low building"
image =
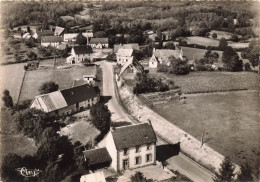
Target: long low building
x,y
67,101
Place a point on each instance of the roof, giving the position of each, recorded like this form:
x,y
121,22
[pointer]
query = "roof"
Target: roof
x,y
98,176
126,46
63,98
134,62
125,52
58,30
99,40
133,135
83,49
46,39
45,33
97,156
164,54
79,93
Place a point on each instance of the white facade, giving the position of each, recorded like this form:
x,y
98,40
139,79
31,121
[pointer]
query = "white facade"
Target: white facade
x,y
77,58
53,44
121,60
99,46
153,63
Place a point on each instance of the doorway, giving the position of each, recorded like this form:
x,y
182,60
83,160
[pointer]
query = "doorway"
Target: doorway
x,y
125,164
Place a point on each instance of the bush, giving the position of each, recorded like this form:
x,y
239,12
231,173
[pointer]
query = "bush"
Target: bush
x,y
214,35
247,67
8,101
163,68
48,87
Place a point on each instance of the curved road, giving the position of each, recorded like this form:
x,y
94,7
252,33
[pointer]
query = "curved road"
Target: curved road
x,y
181,163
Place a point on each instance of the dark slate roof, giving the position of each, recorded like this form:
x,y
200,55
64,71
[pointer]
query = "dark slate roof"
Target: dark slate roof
x,y
99,40
133,135
97,156
46,39
83,49
79,93
45,32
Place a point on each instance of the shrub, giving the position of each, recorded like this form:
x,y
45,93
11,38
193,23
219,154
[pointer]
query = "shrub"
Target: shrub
x,y
8,100
214,35
247,67
48,87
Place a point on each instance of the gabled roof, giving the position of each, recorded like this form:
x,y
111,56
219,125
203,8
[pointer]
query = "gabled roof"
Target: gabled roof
x,y
97,156
125,52
45,33
82,49
47,39
133,135
79,93
99,40
63,98
126,46
134,62
58,30
164,54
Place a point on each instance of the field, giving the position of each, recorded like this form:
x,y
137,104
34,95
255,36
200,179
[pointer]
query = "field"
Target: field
x,y
11,142
199,82
12,78
202,41
63,77
229,120
221,34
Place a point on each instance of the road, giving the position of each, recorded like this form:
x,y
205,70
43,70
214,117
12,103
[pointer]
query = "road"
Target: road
x,y
181,163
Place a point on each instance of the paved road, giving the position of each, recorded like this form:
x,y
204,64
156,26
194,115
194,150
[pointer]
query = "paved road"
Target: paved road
x,y
181,163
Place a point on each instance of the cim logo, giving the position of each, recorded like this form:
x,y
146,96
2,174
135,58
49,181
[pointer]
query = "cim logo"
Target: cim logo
x,y
28,172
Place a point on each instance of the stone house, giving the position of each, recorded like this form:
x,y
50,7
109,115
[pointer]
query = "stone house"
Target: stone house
x,y
123,55
53,41
133,46
131,67
78,54
99,43
67,101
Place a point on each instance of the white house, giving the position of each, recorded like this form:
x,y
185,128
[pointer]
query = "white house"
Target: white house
x,y
53,41
131,146
93,177
78,54
99,43
123,55
133,46
161,56
70,37
67,101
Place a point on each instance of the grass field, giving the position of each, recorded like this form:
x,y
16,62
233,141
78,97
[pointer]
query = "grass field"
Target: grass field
x,y
63,77
213,81
229,120
221,34
11,79
202,41
11,142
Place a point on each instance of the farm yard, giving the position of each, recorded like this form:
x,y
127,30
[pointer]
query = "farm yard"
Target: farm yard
x,y
12,79
230,114
63,77
200,82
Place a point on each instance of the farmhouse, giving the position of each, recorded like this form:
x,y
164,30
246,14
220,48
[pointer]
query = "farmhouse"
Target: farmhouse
x,y
42,33
70,37
99,43
131,67
161,56
78,54
126,46
131,146
67,101
53,41
123,55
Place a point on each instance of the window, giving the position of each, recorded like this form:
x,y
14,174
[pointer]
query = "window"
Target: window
x,y
125,151
148,157
137,160
137,149
149,146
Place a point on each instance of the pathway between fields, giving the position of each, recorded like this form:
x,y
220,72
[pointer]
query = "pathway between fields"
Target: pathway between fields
x,y
181,163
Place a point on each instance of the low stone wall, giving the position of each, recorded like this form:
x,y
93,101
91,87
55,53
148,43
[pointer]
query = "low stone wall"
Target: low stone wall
x,y
204,155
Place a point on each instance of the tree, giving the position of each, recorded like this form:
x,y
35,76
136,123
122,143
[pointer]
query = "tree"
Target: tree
x,y
226,171
86,62
234,38
29,29
31,55
138,177
169,45
111,57
222,44
178,66
214,35
8,101
48,87
30,42
245,173
81,40
247,67
231,60
101,117
100,34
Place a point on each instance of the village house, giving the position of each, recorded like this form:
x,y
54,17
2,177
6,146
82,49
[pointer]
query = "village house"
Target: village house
x,y
99,43
67,101
123,55
161,56
133,46
53,41
78,54
93,177
132,146
89,76
131,67
71,37
59,31
42,33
